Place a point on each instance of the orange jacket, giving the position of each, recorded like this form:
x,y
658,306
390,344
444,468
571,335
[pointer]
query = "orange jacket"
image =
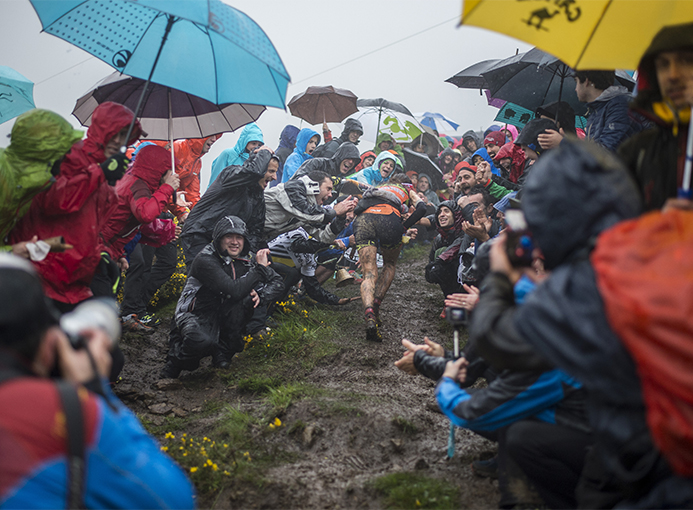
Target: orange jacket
x,y
189,156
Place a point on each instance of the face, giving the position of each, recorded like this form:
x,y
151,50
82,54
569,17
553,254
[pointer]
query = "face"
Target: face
x,y
232,244
354,136
208,144
419,148
507,134
386,168
385,145
470,145
368,161
447,159
325,190
581,90
675,77
476,160
423,185
251,146
114,144
312,144
530,153
477,200
346,166
492,149
505,163
446,217
457,158
270,174
465,181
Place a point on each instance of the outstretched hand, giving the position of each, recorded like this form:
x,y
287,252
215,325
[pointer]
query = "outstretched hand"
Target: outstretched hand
x,y
255,297
347,300
456,370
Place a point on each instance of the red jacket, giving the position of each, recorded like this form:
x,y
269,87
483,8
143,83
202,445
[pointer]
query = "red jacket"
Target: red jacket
x,y
141,198
77,207
189,156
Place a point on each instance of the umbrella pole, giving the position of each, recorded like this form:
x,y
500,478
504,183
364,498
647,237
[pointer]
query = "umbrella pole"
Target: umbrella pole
x,y
170,138
171,21
685,190
377,134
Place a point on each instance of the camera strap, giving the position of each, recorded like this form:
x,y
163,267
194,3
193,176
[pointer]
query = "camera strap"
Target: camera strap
x,y
74,425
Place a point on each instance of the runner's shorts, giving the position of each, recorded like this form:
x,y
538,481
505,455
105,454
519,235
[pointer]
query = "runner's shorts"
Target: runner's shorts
x,y
385,229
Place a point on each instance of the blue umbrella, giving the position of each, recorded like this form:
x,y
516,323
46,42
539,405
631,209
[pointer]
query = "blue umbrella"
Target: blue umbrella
x,y
436,121
16,94
202,47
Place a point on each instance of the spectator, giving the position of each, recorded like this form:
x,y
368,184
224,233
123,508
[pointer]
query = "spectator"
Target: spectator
x,y
188,155
385,142
287,143
367,159
353,131
446,160
470,143
493,142
425,192
251,138
340,165
306,141
444,255
380,172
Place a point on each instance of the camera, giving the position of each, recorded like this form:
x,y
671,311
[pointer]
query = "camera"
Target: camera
x,y
100,313
520,244
456,316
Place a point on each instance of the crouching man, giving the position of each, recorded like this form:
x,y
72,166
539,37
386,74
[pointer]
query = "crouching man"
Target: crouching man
x,y
218,299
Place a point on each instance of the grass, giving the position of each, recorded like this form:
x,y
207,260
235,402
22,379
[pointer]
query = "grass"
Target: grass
x,y
412,490
415,251
405,425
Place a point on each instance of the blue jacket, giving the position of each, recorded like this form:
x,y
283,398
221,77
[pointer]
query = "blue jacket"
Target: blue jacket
x,y
372,175
299,155
237,155
608,120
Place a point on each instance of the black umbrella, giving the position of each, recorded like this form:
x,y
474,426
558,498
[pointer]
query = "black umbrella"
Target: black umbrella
x,y
470,78
421,163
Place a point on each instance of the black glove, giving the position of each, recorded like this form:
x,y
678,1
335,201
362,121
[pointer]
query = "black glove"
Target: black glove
x,y
115,167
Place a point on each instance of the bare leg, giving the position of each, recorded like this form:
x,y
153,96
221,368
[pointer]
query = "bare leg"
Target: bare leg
x,y
389,265
322,274
367,256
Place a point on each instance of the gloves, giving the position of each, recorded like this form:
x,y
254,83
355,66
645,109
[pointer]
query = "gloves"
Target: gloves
x,y
115,167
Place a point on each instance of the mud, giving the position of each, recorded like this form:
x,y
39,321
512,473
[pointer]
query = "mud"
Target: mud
x,y
390,424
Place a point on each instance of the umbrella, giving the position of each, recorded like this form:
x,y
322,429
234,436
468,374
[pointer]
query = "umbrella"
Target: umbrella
x,y
594,34
16,94
429,140
323,104
383,116
436,121
421,163
167,112
470,77
202,47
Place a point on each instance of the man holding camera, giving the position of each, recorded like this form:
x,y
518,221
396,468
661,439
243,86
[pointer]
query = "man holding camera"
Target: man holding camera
x,y
62,445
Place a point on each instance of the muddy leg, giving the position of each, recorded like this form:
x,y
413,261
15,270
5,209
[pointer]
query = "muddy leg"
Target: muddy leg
x,y
367,256
388,273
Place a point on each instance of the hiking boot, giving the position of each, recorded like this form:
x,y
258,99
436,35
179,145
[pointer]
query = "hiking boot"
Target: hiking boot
x,y
132,323
372,330
219,361
171,370
150,320
486,468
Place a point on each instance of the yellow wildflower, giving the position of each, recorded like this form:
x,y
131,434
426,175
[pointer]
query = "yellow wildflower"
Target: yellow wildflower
x,y
193,469
164,448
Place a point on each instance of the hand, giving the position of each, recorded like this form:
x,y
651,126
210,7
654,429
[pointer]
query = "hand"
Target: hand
x,y
325,127
413,232
183,217
456,370
483,173
345,206
347,300
340,244
550,138
406,362
423,198
172,180
500,262
57,244
432,348
264,148
75,365
180,199
414,197
177,232
115,167
475,231
20,249
480,218
460,300
123,264
262,257
255,297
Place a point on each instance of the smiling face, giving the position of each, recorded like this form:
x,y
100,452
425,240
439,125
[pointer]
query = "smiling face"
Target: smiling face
x,y
465,181
386,168
114,144
368,161
232,244
385,145
492,149
325,191
270,173
675,77
312,144
346,165
354,136
208,144
446,218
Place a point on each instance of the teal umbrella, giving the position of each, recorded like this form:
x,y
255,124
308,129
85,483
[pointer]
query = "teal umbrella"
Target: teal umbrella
x,y
16,94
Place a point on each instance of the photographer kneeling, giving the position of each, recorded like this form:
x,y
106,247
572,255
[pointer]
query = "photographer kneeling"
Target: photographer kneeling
x,y
61,445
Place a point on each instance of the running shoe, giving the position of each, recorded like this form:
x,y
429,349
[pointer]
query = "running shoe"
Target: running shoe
x,y
150,320
131,323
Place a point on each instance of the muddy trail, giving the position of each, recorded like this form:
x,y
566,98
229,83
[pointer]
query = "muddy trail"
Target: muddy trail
x,y
321,424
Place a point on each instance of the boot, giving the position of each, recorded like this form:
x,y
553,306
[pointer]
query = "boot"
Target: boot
x,y
372,329
172,369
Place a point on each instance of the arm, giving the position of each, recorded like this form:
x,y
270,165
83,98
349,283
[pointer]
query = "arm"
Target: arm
x,y
418,213
146,207
70,190
209,271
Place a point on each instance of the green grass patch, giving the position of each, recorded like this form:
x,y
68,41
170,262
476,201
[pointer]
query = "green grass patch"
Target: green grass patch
x,y
258,384
412,490
405,425
415,251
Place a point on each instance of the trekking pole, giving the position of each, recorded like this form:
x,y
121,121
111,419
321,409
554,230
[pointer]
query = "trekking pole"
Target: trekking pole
x,y
685,189
456,317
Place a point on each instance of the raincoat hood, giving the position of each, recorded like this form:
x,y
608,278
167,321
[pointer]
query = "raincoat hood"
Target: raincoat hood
x,y
106,121
513,132
446,152
150,165
363,157
230,225
195,145
41,136
649,97
250,133
372,175
531,132
383,137
573,193
287,139
349,126
457,216
484,154
346,151
302,140
471,135
610,93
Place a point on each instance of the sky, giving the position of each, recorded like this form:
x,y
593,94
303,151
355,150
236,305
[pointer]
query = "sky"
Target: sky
x,y
401,50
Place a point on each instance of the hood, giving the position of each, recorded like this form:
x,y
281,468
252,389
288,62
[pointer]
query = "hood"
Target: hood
x,y
382,157
383,137
349,126
531,132
230,225
150,165
513,131
195,145
573,193
366,154
287,139
446,152
346,151
491,129
473,135
302,140
670,38
41,136
106,121
610,93
457,216
484,154
250,133
506,151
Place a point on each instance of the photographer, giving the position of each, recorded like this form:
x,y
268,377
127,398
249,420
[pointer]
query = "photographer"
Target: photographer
x,y
63,446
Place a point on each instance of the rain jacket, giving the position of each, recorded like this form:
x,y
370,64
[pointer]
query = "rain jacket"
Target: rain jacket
x,y
141,199
125,467
328,149
575,192
299,155
608,120
441,158
329,165
77,206
484,154
215,304
293,204
235,192
517,155
189,154
39,139
444,244
372,175
386,137
236,155
366,154
429,193
656,156
287,142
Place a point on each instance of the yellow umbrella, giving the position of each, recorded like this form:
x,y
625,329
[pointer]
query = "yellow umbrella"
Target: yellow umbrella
x,y
585,34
